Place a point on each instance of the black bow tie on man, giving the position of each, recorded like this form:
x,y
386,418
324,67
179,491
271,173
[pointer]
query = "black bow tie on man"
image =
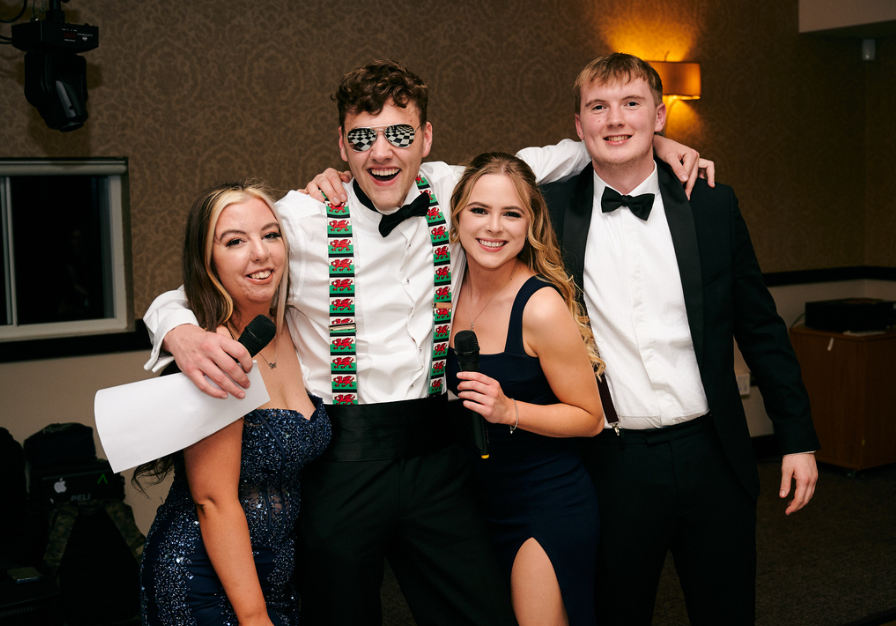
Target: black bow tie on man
x,y
417,208
639,205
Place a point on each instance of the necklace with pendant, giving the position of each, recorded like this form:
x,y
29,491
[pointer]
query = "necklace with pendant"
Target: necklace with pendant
x,y
482,310
271,364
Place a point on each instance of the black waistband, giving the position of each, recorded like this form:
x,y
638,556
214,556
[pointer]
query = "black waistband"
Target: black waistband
x,y
658,435
389,430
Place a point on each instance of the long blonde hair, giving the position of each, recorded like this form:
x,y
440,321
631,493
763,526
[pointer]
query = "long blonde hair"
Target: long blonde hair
x,y
541,252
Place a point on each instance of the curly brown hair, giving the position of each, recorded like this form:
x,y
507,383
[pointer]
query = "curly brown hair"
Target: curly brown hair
x,y
368,89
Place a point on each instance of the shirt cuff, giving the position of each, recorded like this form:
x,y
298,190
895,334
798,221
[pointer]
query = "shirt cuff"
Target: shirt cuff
x,y
159,359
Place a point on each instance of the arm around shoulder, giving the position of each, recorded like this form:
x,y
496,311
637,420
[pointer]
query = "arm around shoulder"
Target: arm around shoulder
x,y
552,163
199,354
167,311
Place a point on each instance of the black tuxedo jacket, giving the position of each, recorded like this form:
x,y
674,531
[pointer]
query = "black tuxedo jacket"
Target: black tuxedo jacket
x,y
725,296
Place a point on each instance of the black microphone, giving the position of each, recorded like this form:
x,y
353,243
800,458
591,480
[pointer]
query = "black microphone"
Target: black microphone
x,y
258,334
254,338
466,348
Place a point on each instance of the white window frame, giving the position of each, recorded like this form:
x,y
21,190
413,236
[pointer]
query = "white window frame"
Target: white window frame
x,y
115,224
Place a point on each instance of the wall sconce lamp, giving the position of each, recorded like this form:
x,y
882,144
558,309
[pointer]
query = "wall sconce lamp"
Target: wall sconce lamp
x,y
681,81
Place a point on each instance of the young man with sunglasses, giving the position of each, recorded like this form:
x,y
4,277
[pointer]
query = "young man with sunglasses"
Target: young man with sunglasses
x,y
370,300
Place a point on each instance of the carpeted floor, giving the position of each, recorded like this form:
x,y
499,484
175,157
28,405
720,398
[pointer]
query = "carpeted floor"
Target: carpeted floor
x,y
831,564
834,562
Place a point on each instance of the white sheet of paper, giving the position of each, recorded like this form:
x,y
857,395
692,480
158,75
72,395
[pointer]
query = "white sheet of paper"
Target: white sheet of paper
x,y
146,420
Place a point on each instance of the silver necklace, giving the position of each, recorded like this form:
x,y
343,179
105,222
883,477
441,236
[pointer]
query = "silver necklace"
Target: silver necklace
x,y
482,310
273,364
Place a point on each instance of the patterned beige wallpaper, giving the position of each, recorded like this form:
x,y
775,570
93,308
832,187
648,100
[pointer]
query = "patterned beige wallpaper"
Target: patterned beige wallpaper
x,y
202,91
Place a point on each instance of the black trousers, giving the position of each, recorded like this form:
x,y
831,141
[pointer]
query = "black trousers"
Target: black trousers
x,y
415,511
664,490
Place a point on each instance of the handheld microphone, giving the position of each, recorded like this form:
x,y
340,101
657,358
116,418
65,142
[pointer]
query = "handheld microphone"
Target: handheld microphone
x,y
254,338
258,334
466,348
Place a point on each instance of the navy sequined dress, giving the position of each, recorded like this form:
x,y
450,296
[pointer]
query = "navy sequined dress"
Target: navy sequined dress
x,y
178,583
532,485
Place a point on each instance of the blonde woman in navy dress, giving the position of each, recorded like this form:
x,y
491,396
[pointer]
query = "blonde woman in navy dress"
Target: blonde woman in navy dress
x,y
537,390
221,549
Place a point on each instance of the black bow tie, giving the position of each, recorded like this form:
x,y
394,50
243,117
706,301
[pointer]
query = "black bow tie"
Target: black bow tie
x,y
417,208
639,205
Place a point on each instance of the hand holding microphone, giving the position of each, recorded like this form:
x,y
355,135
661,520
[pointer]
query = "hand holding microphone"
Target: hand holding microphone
x,y
466,348
257,334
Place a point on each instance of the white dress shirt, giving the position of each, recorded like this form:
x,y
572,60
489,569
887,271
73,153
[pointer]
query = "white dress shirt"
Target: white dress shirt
x,y
636,304
393,286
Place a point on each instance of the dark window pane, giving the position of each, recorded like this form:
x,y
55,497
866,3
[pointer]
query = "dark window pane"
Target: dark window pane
x,y
58,248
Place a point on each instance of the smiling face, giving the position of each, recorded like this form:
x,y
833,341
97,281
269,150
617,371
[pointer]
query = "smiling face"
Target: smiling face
x,y
617,121
248,255
386,172
493,225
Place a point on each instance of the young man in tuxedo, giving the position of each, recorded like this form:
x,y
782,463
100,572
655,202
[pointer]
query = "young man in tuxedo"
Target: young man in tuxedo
x,y
668,284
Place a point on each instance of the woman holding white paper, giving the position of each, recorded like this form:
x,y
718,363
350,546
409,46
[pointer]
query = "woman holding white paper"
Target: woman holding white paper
x,y
221,549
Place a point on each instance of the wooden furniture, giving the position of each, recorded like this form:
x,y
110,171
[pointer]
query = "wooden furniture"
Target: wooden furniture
x,y
851,381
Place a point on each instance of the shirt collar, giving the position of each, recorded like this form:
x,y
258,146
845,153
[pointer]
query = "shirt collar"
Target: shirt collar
x,y
413,192
651,184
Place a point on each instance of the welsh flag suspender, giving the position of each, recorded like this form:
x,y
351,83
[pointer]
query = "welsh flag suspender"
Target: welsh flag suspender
x,y
341,254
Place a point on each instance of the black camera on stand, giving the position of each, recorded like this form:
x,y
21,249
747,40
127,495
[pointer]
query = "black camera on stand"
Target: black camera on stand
x,y
55,76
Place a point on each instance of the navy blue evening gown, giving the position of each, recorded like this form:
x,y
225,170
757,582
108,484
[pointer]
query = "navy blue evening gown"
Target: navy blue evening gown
x,y
179,585
536,486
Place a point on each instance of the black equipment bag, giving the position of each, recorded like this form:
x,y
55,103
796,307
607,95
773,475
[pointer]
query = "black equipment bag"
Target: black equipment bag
x,y
75,482
93,545
18,537
93,554
59,444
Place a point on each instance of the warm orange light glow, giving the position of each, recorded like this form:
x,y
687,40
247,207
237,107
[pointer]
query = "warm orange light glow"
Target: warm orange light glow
x,y
680,80
637,28
685,125
647,29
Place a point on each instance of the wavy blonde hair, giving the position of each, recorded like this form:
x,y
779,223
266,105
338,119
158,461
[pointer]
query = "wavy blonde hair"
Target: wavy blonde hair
x,y
541,252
